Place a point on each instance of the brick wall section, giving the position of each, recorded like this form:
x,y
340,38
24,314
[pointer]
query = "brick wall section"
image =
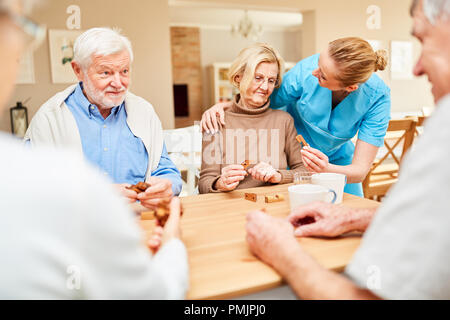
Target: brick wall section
x,y
186,69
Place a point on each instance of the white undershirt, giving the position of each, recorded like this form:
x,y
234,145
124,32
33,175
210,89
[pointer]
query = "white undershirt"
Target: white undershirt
x,y
66,234
405,253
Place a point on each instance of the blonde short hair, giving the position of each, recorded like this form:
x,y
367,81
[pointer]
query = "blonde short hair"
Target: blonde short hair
x,y
356,60
248,60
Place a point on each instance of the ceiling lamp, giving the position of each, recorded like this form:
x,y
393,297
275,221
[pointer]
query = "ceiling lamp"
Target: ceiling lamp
x,y
247,29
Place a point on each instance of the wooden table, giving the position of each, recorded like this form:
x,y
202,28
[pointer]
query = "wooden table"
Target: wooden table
x,y
221,264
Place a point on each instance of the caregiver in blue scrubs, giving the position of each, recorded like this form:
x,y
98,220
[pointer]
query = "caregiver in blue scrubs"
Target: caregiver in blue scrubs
x,y
333,96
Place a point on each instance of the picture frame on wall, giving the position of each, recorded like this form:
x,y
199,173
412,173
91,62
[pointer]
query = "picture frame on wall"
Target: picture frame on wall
x,y
61,54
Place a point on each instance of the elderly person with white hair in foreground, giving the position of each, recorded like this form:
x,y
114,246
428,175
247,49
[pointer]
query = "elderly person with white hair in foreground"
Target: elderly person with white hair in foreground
x,y
116,130
61,240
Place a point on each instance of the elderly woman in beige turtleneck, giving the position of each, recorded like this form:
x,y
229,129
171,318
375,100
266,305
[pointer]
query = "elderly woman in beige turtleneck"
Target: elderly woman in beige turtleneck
x,y
253,131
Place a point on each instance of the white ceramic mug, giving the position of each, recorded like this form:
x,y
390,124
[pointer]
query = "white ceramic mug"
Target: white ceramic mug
x,y
302,194
333,181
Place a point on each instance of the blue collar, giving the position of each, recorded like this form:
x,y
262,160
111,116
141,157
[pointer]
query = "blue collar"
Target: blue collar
x,y
81,100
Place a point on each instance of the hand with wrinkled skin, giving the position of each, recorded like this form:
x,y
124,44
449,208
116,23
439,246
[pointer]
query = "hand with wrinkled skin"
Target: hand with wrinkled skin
x,y
214,118
329,220
269,237
230,178
160,189
130,195
272,240
265,172
171,229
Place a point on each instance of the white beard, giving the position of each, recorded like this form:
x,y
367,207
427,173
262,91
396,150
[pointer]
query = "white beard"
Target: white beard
x,y
100,98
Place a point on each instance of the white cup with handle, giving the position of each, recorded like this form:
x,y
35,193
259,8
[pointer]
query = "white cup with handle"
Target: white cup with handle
x,y
333,181
302,194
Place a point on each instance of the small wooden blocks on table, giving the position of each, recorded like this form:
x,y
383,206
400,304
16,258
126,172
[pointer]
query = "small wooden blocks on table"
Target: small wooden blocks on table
x,y
275,198
268,199
251,197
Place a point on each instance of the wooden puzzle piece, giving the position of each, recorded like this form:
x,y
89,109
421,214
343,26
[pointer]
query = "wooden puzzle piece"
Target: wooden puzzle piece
x,y
275,198
160,212
251,197
139,187
245,164
302,141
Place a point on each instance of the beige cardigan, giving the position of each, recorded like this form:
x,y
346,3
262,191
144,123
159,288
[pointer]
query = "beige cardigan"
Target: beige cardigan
x,y
55,125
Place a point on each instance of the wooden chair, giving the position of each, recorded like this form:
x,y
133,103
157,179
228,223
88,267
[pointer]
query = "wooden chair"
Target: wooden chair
x,y
384,171
419,125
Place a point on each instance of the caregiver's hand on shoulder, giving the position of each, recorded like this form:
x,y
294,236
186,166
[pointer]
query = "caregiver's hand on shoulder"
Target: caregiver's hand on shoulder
x,y
231,177
315,160
214,117
265,172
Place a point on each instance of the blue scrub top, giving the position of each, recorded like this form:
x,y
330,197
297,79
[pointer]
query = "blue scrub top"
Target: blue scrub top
x,y
365,111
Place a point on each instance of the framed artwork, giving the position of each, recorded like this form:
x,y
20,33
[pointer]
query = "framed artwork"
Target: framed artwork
x,y
61,54
401,60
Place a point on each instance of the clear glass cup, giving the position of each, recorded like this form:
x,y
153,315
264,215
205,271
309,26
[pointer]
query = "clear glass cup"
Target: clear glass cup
x,y
303,177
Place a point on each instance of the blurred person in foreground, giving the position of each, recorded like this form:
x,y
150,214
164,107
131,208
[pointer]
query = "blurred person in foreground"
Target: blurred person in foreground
x,y
405,251
59,238
115,130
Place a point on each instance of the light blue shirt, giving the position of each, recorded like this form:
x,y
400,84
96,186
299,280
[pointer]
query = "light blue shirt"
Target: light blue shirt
x,y
365,112
110,145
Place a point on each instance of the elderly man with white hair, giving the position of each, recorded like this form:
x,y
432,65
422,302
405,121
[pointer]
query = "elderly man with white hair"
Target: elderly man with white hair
x,y
116,130
405,251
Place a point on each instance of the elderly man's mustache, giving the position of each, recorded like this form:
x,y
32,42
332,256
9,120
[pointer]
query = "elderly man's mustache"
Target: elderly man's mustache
x,y
115,90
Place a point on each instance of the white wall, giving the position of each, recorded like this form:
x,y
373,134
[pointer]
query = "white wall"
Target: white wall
x,y
220,46
146,23
326,20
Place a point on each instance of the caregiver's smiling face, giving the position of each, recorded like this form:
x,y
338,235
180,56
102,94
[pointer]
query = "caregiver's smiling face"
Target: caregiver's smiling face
x,y
326,72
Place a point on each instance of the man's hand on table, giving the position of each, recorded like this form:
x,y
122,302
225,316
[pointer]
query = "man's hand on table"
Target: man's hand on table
x,y
160,189
269,238
171,229
328,220
130,195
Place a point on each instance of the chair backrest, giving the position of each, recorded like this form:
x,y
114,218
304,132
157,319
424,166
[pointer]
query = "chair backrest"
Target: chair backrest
x,y
419,125
400,134
184,146
183,140
382,175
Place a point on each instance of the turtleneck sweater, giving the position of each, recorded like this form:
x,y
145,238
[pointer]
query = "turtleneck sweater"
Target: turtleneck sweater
x,y
254,134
